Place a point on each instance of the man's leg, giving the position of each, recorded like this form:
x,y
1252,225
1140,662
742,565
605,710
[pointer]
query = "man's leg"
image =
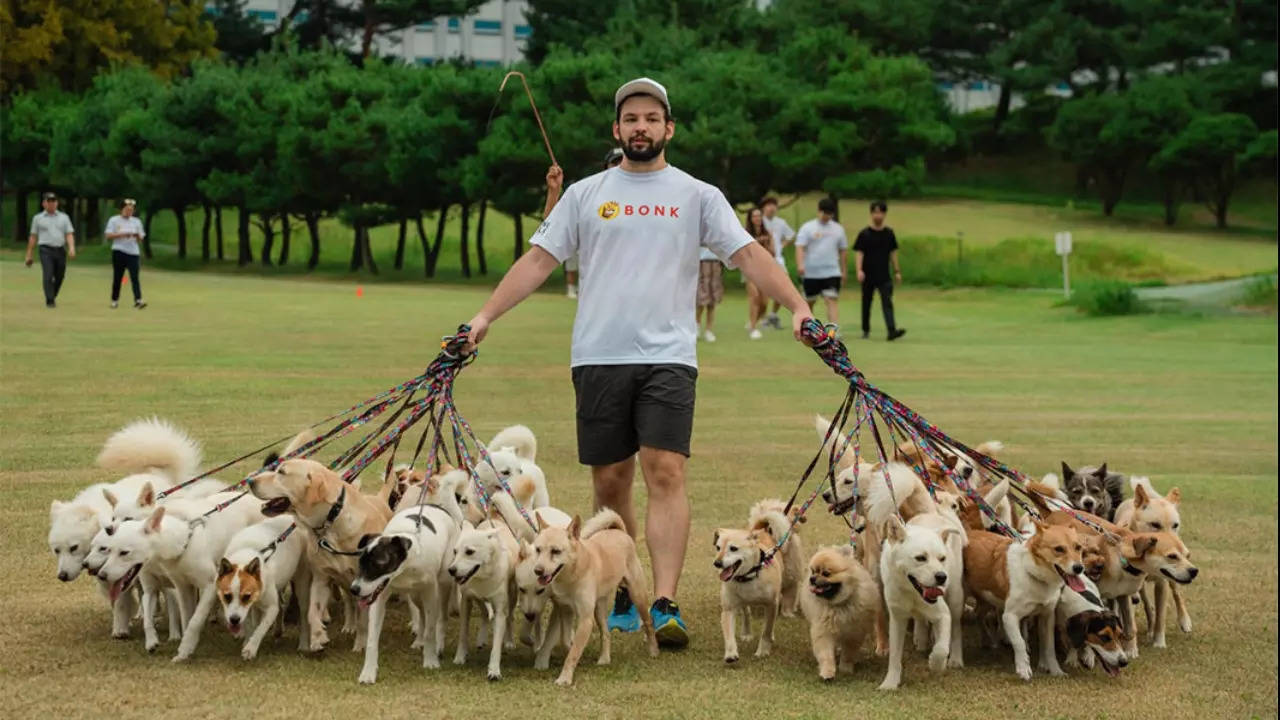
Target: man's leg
x,y
59,270
833,309
666,523
711,316
886,304
117,274
868,294
612,486
47,274
133,264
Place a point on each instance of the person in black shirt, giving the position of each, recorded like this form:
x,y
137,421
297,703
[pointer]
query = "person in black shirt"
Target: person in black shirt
x,y
875,249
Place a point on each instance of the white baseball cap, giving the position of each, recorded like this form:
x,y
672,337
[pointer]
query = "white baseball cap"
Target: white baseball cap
x,y
641,86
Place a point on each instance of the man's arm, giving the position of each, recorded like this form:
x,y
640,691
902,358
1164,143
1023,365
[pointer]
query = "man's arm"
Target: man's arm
x,y
897,271
844,265
71,245
857,259
527,275
31,246
762,270
555,181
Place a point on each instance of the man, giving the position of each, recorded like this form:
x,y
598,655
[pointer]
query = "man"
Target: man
x,y
52,231
555,181
822,258
638,230
782,235
874,250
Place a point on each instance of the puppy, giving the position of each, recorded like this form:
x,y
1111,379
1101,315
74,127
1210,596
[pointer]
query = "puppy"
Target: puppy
x,y
841,606
1148,512
253,575
1093,490
583,566
769,515
409,557
531,599
918,569
747,581
1088,630
483,560
312,493
1022,580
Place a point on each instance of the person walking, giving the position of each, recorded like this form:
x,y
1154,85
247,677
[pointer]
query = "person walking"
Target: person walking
x,y
124,231
783,236
757,302
638,230
51,230
874,251
822,259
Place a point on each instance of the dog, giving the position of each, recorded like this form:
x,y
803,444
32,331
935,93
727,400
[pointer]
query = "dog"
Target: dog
x,y
328,509
1088,630
1023,580
506,466
531,600
747,581
516,439
482,563
410,556
1148,512
253,575
841,605
1093,490
921,564
583,566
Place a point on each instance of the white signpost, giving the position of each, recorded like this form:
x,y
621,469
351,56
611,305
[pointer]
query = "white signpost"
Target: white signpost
x,y
1062,246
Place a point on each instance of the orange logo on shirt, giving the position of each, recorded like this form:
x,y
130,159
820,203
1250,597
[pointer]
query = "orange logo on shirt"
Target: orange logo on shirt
x,y
609,210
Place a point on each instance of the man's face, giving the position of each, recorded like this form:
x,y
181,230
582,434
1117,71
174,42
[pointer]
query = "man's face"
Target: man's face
x,y
824,216
51,205
127,210
877,217
770,210
642,128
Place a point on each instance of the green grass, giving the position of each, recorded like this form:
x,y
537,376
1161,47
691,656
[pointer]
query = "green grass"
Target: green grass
x,y
239,361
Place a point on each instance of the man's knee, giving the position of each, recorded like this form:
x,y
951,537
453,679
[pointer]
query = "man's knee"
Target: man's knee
x,y
663,472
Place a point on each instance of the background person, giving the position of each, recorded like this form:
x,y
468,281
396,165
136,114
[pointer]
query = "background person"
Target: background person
x,y
51,230
757,301
124,231
822,258
783,236
874,250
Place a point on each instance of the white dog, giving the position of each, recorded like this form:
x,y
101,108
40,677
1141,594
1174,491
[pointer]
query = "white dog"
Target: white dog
x,y
253,575
917,569
482,564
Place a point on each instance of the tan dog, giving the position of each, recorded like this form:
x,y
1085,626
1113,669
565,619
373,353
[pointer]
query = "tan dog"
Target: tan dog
x,y
841,605
583,566
326,508
1023,580
1148,512
746,581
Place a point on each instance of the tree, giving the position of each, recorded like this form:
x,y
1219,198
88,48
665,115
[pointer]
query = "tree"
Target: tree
x,y
240,35
27,126
69,41
1209,153
334,22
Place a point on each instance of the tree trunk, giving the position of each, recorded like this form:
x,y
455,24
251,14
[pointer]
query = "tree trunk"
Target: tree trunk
x,y
422,239
268,239
181,215
204,234
245,250
1002,107
313,229
1169,190
484,265
23,231
519,236
146,234
463,247
217,222
1220,208
404,230
286,234
434,257
357,257
93,216
1111,187
368,251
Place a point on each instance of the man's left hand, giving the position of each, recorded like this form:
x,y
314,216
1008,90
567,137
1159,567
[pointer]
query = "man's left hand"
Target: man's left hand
x,y
897,276
797,322
71,253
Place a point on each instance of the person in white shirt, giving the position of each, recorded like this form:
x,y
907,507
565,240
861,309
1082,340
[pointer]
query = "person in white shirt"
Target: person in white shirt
x,y
638,230
822,258
52,232
783,236
124,231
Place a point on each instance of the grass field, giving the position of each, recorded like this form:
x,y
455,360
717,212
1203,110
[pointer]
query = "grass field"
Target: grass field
x,y
1189,400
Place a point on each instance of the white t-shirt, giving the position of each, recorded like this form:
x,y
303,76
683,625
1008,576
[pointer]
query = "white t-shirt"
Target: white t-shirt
x,y
638,238
781,232
120,223
822,243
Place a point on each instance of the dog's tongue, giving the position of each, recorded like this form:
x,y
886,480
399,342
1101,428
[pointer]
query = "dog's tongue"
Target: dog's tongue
x,y
932,593
363,602
1112,670
116,588
1075,583
726,574
544,579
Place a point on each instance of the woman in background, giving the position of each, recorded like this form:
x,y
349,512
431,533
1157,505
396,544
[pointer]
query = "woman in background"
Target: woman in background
x,y
124,231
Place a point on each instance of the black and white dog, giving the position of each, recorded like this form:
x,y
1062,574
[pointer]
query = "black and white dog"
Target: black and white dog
x,y
1093,490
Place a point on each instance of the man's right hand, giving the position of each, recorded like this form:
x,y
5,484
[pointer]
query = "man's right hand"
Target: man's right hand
x,y
555,179
28,261
862,277
479,328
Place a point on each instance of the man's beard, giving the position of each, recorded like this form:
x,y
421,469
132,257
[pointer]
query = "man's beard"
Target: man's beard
x,y
651,151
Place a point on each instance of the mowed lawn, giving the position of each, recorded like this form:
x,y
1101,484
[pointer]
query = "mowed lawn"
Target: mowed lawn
x,y
1189,401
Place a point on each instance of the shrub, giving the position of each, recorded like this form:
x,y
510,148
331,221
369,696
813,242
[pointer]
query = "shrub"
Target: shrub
x,y
1102,298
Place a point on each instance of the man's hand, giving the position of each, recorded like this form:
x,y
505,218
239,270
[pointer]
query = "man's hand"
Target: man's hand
x,y
71,253
897,276
800,271
28,260
862,277
555,179
479,328
797,321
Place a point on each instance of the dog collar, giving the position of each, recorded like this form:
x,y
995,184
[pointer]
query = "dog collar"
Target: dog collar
x,y
1129,568
754,572
329,519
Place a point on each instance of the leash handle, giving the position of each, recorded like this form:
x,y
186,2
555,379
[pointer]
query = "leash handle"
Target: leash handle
x,y
536,115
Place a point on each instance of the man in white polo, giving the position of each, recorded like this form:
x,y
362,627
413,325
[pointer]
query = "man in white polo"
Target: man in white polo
x,y
638,230
51,230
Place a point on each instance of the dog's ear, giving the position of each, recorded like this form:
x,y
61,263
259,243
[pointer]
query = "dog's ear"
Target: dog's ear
x,y
402,544
1101,472
1142,544
433,485
153,522
147,495
110,496
715,539
365,540
575,528
57,506
1174,496
524,551
1067,472
315,491
542,524
1140,498
272,457
254,568
946,533
894,530
950,461
225,568
1076,629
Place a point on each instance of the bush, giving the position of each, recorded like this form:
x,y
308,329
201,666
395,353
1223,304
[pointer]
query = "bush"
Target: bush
x,y
1102,298
1260,292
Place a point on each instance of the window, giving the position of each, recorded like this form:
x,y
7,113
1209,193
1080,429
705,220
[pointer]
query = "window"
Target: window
x,y
488,27
454,25
486,63
523,31
946,85
424,60
264,15
427,26
977,85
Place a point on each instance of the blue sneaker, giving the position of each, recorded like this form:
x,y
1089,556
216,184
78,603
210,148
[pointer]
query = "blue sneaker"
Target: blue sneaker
x,y
624,617
668,625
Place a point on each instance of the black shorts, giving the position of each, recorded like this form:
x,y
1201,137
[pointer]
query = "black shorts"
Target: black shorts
x,y
827,287
621,407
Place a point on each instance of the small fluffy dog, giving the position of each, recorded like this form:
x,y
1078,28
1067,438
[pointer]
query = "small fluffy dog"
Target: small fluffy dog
x,y
253,575
482,563
920,564
1088,630
1023,580
1148,512
583,566
841,605
747,581
1093,490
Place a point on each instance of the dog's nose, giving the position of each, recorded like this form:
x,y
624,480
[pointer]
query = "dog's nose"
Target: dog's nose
x,y
537,570
826,495
354,589
234,620
716,564
1077,569
940,578
63,575
530,616
1088,504
1193,572
453,572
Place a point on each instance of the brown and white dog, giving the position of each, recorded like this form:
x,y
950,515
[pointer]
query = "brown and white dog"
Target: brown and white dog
x,y
747,581
841,603
1147,511
326,508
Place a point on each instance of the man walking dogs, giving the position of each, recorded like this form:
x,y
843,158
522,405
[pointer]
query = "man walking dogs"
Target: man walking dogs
x,y
52,231
638,230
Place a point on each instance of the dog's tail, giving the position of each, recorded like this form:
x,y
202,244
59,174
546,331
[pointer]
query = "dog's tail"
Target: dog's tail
x,y
606,519
519,439
990,448
1036,494
907,491
821,424
298,441
768,515
153,445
